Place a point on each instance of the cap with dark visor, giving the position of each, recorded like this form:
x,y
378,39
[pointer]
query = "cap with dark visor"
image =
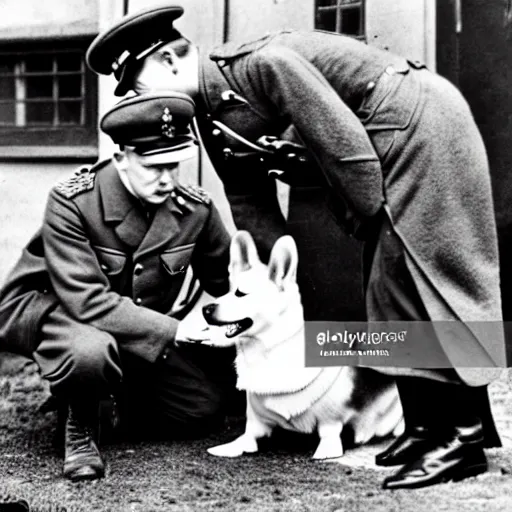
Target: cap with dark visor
x,y
122,48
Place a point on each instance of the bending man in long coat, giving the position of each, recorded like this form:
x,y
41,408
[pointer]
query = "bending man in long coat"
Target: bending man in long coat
x,y
406,167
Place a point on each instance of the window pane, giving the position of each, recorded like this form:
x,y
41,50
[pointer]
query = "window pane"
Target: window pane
x,y
40,113
69,62
37,63
324,3
69,112
351,21
7,113
39,87
6,78
70,86
6,87
326,20
6,64
44,89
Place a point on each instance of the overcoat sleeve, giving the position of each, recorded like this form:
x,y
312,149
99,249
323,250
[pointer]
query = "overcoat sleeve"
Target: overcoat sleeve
x,y
84,290
210,260
332,132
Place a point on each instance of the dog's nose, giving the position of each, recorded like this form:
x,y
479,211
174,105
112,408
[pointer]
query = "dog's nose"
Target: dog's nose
x,y
208,311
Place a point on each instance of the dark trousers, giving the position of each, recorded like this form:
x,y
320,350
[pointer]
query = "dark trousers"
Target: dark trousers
x,y
442,406
184,392
432,397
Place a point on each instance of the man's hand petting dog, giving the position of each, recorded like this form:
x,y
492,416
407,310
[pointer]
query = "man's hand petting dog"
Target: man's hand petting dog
x,y
194,329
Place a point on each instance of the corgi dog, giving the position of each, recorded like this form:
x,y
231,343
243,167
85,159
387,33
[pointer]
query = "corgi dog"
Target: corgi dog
x,y
262,316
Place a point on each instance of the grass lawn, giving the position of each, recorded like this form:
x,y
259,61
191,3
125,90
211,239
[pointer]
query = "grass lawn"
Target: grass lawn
x,y
181,476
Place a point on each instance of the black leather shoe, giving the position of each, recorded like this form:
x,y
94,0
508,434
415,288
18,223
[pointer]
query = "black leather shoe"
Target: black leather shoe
x,y
459,457
413,443
82,459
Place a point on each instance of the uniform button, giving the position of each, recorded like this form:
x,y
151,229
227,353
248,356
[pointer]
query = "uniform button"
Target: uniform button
x,y
370,86
138,301
390,70
138,269
104,267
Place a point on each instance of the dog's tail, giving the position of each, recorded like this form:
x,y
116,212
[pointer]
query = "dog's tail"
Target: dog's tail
x,y
379,417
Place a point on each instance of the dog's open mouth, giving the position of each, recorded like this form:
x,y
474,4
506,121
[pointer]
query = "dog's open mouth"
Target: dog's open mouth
x,y
237,328
233,329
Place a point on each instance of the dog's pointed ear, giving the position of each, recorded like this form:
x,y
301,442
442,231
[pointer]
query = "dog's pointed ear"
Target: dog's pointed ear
x,y
243,252
284,259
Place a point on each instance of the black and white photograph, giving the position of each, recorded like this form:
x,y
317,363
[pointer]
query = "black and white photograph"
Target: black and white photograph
x,y
255,256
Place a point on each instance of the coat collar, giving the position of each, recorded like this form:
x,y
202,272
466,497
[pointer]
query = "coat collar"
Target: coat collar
x,y
212,83
120,208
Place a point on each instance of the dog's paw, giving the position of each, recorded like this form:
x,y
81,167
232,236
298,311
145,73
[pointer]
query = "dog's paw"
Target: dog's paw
x,y
328,449
236,448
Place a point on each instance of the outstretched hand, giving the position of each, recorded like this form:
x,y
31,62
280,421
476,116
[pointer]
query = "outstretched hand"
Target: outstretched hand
x,y
193,329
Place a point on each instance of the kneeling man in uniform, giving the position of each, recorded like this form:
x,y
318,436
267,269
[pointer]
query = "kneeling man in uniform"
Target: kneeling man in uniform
x,y
93,297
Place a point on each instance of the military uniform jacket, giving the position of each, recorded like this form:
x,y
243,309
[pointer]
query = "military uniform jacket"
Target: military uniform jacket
x,y
388,136
111,268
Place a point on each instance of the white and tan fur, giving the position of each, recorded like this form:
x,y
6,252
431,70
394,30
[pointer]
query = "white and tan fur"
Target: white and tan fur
x,y
270,361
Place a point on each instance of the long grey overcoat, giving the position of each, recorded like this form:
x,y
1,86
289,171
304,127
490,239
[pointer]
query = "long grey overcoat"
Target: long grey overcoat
x,y
388,135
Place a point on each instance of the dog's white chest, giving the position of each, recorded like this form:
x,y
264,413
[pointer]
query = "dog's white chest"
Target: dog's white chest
x,y
327,394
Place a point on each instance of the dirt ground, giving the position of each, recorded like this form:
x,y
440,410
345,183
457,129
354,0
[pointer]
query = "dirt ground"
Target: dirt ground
x,y
181,476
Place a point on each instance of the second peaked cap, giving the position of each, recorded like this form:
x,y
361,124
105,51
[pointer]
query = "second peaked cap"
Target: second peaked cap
x,y
156,125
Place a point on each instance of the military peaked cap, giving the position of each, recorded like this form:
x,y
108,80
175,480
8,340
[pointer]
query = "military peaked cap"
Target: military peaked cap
x,y
121,48
156,125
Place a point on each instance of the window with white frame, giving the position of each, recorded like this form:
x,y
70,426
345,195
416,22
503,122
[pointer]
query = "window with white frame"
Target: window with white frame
x,y
341,16
47,95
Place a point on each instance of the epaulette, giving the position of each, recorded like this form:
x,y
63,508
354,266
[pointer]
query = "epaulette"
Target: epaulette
x,y
81,181
194,193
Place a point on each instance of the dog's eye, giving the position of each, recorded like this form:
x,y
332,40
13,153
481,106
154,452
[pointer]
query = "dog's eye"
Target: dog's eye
x,y
238,293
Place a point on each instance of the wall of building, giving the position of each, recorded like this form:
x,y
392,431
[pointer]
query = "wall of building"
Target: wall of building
x,y
27,19
406,27
23,191
252,19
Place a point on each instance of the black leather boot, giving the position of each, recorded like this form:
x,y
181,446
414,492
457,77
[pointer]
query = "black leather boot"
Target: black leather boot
x,y
421,431
413,443
82,459
459,456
